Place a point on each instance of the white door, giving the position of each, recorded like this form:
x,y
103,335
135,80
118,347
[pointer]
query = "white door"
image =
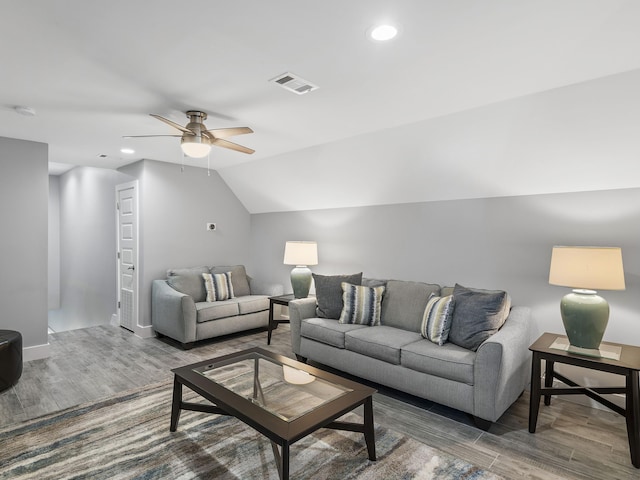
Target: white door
x,y
127,215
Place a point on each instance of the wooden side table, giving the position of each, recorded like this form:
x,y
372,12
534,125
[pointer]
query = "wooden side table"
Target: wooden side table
x,y
277,300
628,366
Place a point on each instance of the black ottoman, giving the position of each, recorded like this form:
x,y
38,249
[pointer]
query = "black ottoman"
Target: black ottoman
x,y
10,358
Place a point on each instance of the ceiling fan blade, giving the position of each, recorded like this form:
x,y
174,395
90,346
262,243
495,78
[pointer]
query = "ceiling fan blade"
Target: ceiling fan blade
x,y
229,132
233,146
169,122
144,136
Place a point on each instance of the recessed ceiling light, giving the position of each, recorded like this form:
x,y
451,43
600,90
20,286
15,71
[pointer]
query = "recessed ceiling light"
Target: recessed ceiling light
x,y
127,150
382,33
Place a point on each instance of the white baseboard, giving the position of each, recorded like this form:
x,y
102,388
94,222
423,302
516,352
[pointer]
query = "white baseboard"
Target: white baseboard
x,y
144,331
35,353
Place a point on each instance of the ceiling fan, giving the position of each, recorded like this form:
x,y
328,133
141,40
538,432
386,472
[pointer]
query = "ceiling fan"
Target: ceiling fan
x,y
196,139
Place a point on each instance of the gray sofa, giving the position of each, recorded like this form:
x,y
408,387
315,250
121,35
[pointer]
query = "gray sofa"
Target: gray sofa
x,y
482,383
179,309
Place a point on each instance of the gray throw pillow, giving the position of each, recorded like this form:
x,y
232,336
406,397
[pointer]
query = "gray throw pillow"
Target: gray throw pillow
x,y
329,293
188,281
477,315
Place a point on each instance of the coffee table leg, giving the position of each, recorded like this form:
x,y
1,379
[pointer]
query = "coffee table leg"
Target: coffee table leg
x,y
175,406
369,432
285,461
270,327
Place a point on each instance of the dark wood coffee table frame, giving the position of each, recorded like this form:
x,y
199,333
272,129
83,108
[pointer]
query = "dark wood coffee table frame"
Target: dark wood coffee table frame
x,y
628,366
282,433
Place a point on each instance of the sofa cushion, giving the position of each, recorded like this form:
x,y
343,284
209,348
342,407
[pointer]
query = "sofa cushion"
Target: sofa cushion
x,y
218,286
383,343
207,311
239,278
361,304
404,303
436,320
329,293
448,361
252,303
477,315
326,330
188,281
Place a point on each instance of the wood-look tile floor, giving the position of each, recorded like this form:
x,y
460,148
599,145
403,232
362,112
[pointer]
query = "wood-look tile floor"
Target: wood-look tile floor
x,y
572,441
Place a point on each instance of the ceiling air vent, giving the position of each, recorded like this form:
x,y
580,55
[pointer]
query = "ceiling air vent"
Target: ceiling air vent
x,y
293,83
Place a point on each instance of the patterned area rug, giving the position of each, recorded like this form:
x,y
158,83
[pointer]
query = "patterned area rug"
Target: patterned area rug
x,y
127,437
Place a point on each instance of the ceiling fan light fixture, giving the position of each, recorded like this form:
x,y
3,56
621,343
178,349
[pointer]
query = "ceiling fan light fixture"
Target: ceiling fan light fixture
x,y
383,33
195,146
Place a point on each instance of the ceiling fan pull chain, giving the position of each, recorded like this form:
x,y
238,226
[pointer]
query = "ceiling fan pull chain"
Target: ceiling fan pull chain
x,y
209,164
182,163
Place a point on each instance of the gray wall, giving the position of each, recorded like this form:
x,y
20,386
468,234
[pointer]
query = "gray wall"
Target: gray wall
x,y
174,208
88,292
54,243
23,242
487,243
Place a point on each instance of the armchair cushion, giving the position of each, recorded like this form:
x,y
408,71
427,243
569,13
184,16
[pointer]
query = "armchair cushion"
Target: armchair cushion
x,y
188,281
239,278
208,311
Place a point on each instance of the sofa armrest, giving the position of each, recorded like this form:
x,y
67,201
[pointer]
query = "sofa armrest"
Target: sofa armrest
x,y
173,313
300,309
503,365
259,287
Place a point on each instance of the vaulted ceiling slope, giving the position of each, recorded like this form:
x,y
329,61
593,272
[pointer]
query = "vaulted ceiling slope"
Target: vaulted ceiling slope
x,y
471,91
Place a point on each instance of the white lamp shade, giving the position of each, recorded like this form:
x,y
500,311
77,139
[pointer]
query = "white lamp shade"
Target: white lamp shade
x,y
195,146
594,268
301,253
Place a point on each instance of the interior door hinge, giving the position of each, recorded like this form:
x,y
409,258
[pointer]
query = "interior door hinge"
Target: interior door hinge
x,y
117,205
118,304
118,255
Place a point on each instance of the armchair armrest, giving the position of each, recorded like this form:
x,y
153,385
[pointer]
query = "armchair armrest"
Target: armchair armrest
x,y
300,309
259,287
502,367
173,313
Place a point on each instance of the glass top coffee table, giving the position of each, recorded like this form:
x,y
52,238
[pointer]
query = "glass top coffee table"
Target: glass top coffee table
x,y
281,398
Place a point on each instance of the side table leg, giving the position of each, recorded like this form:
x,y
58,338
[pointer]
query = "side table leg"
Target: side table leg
x,y
633,416
175,405
369,429
548,379
534,399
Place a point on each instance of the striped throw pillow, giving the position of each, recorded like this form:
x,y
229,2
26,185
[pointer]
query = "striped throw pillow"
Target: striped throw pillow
x,y
436,321
218,286
361,305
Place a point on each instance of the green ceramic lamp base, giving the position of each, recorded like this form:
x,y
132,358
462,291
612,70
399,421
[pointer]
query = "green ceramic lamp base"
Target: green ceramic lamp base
x,y
585,316
301,281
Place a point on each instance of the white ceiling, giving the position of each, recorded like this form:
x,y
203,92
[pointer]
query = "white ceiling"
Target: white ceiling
x,y
93,71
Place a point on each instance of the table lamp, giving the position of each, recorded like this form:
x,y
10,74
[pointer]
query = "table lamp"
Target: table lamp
x,y
584,313
301,254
